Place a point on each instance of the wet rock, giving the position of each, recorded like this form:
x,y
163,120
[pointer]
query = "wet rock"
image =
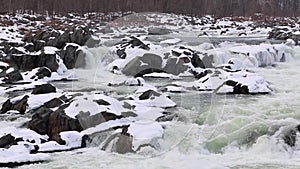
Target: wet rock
x,y
132,42
73,57
290,137
43,89
196,61
237,87
38,45
21,105
30,47
8,140
62,40
80,35
102,102
147,71
7,105
42,72
158,31
55,102
175,66
207,61
124,143
148,94
129,114
39,121
167,116
13,76
58,122
138,64
92,42
29,62
86,120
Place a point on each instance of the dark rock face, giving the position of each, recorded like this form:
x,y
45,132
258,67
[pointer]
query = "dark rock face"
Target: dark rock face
x,y
124,143
196,61
86,120
8,140
20,105
55,102
42,72
175,66
237,87
39,121
138,64
279,34
147,94
29,62
72,57
45,121
133,42
58,121
43,89
208,61
7,105
13,77
147,71
283,34
290,137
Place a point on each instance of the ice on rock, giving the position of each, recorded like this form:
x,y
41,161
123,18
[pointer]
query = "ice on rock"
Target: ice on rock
x,y
3,64
145,88
145,133
36,101
20,154
72,138
50,50
160,75
135,82
87,103
26,134
265,54
162,101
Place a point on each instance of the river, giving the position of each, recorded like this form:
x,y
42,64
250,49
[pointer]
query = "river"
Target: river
x,y
213,131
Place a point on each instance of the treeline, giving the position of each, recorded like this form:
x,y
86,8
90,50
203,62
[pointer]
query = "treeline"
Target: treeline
x,y
191,7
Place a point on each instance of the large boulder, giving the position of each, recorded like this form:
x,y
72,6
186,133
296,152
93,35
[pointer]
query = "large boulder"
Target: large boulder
x,y
175,66
139,64
8,140
86,120
42,72
12,77
40,120
80,35
44,88
20,105
128,44
45,121
124,143
290,137
58,121
31,61
72,56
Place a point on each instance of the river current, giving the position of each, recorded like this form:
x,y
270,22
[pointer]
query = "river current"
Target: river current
x,y
213,131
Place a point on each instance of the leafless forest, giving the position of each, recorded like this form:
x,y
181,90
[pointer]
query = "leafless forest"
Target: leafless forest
x,y
191,7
